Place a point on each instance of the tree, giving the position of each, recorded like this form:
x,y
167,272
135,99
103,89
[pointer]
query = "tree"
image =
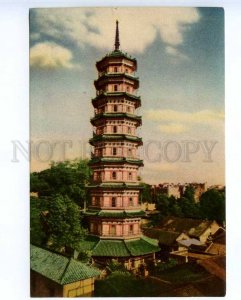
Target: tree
x,y
212,205
37,233
63,178
146,195
63,222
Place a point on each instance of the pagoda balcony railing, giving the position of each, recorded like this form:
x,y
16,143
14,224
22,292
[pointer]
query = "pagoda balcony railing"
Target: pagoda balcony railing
x,y
100,92
127,234
93,155
133,74
111,180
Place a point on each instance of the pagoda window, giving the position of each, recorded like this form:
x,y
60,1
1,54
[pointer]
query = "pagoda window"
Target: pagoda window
x,y
98,175
131,229
129,152
115,87
93,201
112,230
114,151
114,129
114,175
115,107
113,202
127,89
130,176
130,201
129,129
128,109
97,201
127,70
115,69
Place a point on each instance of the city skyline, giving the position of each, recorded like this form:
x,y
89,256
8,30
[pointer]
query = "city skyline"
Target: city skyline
x,y
181,71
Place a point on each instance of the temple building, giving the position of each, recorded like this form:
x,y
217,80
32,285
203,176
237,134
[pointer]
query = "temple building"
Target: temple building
x,y
115,213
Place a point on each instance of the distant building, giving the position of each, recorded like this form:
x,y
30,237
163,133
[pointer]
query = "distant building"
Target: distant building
x,y
194,228
54,275
177,190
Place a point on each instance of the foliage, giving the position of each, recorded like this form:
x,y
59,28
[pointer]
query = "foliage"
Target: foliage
x,y
183,273
161,266
85,256
64,178
37,234
124,284
146,195
212,205
63,222
114,265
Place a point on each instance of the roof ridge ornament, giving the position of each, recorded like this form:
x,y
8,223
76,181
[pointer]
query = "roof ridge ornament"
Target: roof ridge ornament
x,y
117,40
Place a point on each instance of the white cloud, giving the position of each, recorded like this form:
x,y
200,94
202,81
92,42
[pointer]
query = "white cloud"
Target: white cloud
x,y
50,56
172,128
96,26
175,53
172,121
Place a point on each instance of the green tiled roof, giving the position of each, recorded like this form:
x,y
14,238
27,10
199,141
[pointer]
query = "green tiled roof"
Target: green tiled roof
x,y
134,161
117,94
115,137
116,53
59,268
115,185
119,53
88,243
122,248
110,214
141,247
117,74
116,115
111,248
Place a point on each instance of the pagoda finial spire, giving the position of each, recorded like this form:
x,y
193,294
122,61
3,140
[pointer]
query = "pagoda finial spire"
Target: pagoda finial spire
x,y
117,41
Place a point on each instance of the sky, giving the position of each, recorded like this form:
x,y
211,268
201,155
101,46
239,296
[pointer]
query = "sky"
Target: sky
x,y
180,55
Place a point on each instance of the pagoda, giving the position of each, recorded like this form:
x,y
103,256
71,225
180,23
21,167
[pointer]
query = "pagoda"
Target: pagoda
x,y
114,213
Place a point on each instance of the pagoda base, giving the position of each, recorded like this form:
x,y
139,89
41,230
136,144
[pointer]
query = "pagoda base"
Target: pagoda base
x,y
133,253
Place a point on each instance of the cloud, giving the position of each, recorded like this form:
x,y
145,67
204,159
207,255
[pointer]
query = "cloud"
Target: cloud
x,y
175,53
173,128
50,56
159,166
95,26
173,121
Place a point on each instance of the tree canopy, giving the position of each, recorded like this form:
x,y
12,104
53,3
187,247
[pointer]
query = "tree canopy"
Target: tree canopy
x,y
64,178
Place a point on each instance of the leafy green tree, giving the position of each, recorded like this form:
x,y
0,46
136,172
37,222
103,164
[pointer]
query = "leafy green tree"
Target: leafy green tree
x,y
212,205
146,194
63,222
189,193
114,265
189,208
64,178
37,233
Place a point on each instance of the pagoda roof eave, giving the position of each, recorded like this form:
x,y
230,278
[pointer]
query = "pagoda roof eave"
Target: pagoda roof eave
x,y
116,54
111,160
117,94
116,115
118,248
97,82
115,137
114,185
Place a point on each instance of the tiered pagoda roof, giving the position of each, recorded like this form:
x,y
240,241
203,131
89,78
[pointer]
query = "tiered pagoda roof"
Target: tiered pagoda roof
x,y
104,95
115,137
118,248
114,160
114,116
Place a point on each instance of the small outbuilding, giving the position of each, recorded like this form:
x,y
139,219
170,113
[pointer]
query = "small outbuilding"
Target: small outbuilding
x,y
54,275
